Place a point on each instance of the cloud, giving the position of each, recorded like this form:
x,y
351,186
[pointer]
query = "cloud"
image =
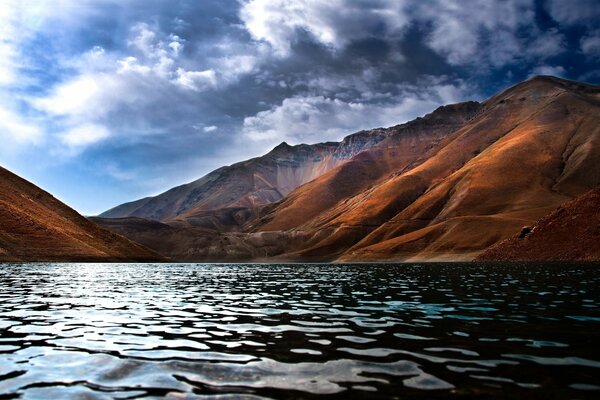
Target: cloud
x,y
590,44
547,44
75,97
17,131
333,23
574,12
208,129
487,33
109,87
313,119
549,70
83,136
8,44
196,80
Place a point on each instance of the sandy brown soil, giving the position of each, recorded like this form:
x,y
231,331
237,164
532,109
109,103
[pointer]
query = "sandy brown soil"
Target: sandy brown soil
x,y
35,226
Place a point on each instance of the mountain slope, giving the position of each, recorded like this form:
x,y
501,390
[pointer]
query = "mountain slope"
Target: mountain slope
x,y
405,146
535,146
571,232
528,149
34,226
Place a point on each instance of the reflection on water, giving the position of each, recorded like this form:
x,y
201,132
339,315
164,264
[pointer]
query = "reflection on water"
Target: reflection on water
x,y
299,331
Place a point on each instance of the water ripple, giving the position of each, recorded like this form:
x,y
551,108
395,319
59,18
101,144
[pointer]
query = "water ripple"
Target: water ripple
x,y
298,331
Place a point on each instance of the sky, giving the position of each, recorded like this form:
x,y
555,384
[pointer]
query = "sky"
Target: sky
x,y
107,101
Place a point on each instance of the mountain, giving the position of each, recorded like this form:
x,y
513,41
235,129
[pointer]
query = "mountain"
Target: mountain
x,y
226,198
445,186
232,191
531,148
571,232
34,226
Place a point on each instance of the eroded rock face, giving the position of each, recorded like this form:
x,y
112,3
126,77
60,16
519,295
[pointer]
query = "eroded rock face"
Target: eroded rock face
x,y
34,226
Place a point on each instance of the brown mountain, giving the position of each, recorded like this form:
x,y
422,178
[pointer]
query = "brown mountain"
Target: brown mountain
x,y
571,232
530,149
227,197
446,186
34,226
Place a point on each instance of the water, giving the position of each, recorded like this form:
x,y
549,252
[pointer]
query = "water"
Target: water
x,y
299,331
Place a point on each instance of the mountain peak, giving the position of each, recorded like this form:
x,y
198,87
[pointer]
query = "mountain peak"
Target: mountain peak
x,y
282,146
547,78
556,81
540,86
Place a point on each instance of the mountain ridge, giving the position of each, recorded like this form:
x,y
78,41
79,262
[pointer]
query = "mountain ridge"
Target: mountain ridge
x,y
237,185
445,186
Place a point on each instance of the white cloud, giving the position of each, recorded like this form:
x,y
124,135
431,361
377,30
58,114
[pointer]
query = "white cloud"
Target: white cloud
x,y
590,44
210,128
549,70
311,119
196,80
176,44
73,97
233,66
145,40
83,107
107,82
8,44
84,135
131,64
332,23
17,131
479,32
547,44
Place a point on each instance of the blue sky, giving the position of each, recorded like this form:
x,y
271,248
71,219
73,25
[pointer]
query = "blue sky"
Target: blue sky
x,y
106,101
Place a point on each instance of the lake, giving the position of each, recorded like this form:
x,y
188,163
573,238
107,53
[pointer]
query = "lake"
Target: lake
x,y
299,331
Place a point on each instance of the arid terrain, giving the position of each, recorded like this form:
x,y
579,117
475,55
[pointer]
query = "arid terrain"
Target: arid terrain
x,y
447,186
35,226
571,232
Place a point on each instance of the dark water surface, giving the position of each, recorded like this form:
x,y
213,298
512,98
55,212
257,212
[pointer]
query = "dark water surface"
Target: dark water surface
x,y
299,331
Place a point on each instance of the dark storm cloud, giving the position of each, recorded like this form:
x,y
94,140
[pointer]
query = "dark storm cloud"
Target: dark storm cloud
x,y
144,95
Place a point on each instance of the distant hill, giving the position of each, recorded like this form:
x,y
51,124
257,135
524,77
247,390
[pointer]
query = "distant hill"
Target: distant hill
x,y
34,226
